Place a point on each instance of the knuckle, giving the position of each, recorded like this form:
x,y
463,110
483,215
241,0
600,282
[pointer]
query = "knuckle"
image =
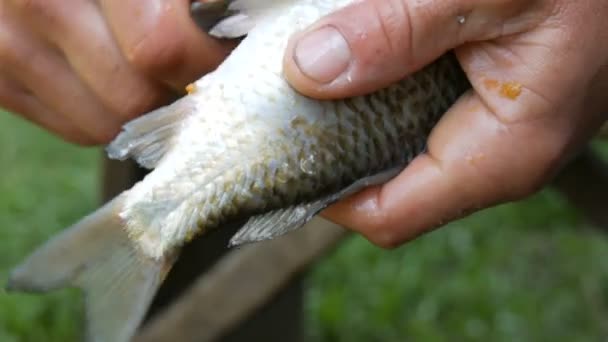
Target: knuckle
x,y
384,241
389,31
136,95
546,161
395,24
134,108
138,103
37,8
383,233
548,165
78,133
157,52
30,5
521,190
104,136
10,50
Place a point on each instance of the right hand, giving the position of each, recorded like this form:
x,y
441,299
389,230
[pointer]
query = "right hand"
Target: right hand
x,y
539,71
82,68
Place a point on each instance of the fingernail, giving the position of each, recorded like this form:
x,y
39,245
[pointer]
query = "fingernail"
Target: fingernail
x,y
322,55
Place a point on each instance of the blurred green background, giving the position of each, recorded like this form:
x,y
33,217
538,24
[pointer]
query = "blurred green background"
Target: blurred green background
x,y
530,271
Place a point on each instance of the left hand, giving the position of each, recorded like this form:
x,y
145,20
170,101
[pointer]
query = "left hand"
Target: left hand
x,y
82,68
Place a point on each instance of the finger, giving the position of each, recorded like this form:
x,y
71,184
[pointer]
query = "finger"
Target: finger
x,y
373,43
78,29
500,142
485,162
43,72
18,100
160,38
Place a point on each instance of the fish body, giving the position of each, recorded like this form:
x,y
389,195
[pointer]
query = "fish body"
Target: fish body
x,y
241,143
250,143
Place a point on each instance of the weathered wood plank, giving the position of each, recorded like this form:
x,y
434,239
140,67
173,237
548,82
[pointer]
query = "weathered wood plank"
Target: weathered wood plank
x,y
279,316
218,294
239,284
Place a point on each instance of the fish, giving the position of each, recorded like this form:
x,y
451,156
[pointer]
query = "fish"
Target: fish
x,y
241,143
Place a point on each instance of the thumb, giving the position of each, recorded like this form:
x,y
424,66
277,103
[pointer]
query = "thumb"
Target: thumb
x,y
373,43
161,40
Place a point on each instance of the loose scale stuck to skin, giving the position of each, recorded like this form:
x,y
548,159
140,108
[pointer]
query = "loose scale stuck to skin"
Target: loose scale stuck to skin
x,y
241,143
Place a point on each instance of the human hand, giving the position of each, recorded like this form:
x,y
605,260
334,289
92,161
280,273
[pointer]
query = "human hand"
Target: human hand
x,y
83,68
539,70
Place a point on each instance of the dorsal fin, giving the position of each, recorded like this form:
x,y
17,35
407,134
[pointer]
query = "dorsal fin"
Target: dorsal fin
x,y
207,14
242,16
147,139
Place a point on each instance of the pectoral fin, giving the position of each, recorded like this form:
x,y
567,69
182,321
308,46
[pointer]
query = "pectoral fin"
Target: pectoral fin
x,y
282,221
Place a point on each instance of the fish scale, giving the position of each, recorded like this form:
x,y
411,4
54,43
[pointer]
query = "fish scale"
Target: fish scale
x,y
242,143
374,147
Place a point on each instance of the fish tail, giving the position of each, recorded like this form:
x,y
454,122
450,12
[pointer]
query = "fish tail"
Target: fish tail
x,y
97,255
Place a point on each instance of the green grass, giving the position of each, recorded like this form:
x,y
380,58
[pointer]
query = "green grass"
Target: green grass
x,y
44,185
523,272
531,271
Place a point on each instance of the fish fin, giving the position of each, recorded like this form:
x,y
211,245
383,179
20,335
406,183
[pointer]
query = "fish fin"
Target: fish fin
x,y
97,256
234,26
148,138
242,16
207,14
278,222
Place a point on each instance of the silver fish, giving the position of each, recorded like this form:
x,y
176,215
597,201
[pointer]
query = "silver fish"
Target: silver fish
x,y
242,142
